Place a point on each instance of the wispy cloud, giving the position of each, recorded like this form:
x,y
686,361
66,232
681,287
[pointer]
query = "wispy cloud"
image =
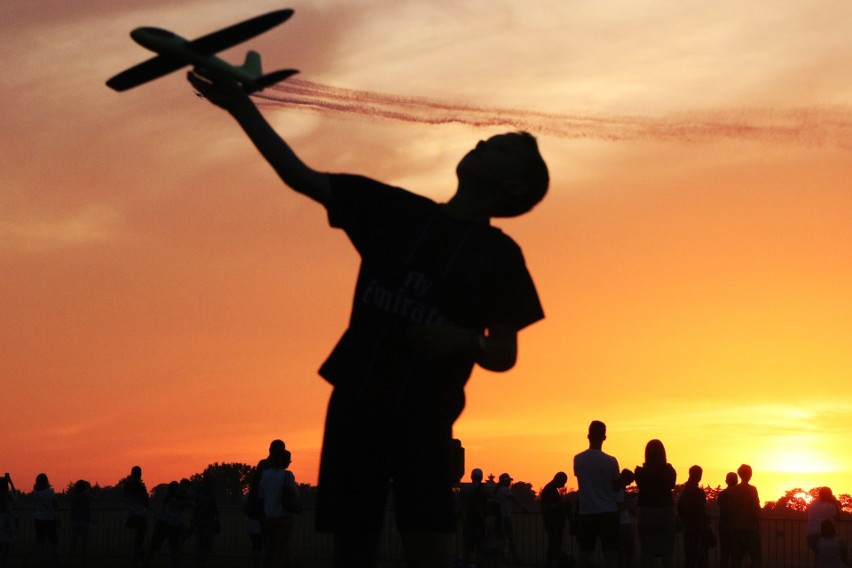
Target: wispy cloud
x,y
91,224
830,126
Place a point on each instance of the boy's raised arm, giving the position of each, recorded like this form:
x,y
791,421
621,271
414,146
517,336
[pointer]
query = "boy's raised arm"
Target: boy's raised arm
x,y
290,168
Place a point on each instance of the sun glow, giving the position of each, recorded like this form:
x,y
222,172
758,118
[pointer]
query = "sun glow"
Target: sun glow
x,y
799,460
804,497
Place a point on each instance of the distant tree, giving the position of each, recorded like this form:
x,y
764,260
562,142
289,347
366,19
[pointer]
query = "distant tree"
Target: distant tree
x,y
158,492
229,479
109,493
797,501
845,502
793,500
712,492
69,489
524,493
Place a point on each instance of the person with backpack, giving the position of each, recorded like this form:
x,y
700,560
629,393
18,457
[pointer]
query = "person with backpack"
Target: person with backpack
x,y
280,495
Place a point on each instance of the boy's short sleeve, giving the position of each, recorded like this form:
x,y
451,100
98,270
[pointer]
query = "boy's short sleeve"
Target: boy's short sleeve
x,y
354,199
369,210
514,298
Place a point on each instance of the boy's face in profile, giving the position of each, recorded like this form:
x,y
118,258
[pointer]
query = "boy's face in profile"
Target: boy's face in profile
x,y
504,176
494,162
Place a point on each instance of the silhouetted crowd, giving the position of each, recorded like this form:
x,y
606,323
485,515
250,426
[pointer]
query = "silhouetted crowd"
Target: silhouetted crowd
x,y
610,512
610,509
188,509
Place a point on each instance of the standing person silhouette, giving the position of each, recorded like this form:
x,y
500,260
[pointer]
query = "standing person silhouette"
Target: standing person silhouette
x,y
205,518
46,519
598,480
81,497
474,499
656,480
825,506
724,503
253,506
745,520
503,494
626,520
136,504
831,550
692,510
278,509
554,513
8,521
439,290
172,522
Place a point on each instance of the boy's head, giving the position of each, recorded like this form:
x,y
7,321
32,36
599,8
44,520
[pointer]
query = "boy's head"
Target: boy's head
x,y
744,472
695,473
510,169
597,432
826,494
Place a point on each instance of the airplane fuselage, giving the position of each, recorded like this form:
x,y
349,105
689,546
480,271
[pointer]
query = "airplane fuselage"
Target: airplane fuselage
x,y
171,45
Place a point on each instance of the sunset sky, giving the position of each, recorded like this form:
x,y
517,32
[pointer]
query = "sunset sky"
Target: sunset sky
x,y
167,302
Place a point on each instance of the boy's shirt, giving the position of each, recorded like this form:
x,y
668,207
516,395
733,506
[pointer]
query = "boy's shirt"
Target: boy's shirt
x,y
419,267
744,507
597,477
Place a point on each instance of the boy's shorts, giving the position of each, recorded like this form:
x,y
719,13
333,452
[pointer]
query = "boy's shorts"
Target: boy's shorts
x,y
367,452
600,525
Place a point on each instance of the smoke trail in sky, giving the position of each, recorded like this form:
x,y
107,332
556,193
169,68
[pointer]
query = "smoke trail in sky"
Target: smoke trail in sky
x,y
829,126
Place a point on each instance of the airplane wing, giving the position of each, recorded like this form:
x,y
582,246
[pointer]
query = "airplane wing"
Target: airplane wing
x,y
238,33
205,45
144,72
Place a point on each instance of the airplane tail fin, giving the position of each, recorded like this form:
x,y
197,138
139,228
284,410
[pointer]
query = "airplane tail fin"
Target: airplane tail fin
x,y
260,81
252,64
269,79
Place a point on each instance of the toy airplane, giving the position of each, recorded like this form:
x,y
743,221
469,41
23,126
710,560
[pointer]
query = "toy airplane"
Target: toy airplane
x,y
176,52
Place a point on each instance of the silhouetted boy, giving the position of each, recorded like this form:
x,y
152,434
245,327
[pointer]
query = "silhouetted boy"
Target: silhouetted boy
x,y
554,513
474,499
598,482
438,291
723,500
692,510
136,505
745,520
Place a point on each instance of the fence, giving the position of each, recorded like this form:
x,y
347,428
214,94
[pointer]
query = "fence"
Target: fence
x,y
110,542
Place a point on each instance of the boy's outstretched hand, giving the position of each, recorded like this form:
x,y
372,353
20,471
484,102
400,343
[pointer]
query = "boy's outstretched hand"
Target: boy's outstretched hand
x,y
224,93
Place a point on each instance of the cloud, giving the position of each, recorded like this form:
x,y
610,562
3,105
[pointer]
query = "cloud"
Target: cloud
x,y
90,224
810,126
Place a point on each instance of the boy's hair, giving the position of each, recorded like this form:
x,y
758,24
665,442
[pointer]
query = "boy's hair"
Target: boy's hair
x,y
695,472
597,430
534,175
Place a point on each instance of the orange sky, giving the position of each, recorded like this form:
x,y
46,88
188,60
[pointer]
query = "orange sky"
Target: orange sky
x,y
165,302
